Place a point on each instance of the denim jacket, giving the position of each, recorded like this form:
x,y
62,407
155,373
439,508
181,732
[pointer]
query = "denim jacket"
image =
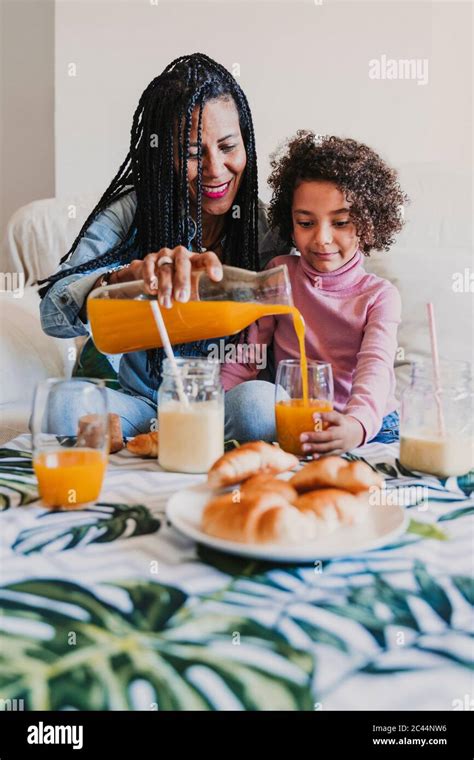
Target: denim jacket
x,y
61,305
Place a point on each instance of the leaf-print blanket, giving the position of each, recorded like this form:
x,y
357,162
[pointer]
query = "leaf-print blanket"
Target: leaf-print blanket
x,y
111,608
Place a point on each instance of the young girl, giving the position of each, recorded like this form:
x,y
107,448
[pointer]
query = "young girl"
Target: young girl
x,y
334,200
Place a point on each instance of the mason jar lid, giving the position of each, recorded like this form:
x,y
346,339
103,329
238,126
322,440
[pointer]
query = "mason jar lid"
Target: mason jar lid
x,y
453,375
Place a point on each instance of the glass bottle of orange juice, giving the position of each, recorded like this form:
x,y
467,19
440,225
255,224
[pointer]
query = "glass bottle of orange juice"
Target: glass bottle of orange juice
x,y
302,388
122,321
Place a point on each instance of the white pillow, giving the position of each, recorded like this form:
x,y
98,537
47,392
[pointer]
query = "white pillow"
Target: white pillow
x,y
28,355
430,274
39,234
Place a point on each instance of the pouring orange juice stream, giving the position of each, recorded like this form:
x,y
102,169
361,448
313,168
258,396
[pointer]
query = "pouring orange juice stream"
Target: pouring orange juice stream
x,y
120,326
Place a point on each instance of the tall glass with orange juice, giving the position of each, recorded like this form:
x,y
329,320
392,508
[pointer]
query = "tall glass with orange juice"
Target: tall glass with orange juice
x,y
300,392
70,463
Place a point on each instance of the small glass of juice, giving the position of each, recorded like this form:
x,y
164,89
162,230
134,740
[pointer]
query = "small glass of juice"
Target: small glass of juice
x,y
70,433
297,401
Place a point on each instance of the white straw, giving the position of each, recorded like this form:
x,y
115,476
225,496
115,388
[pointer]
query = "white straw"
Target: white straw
x,y
169,351
436,368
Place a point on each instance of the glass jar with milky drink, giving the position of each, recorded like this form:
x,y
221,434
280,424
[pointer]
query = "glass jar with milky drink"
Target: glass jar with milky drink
x,y
191,419
436,427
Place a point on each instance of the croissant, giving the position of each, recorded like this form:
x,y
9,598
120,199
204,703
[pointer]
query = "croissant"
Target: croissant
x,y
262,518
335,472
261,512
90,431
247,460
144,445
268,483
334,506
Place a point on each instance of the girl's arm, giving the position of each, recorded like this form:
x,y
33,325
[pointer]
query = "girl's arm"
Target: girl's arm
x,y
374,375
60,308
372,383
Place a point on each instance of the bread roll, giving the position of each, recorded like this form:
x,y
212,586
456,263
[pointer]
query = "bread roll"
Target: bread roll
x,y
334,506
91,432
263,518
144,445
247,460
335,472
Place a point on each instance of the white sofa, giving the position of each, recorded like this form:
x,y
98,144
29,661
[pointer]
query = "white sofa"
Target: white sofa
x,y
36,237
429,252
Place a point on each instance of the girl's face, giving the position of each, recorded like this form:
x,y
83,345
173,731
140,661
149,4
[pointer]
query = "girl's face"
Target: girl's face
x,y
223,156
322,229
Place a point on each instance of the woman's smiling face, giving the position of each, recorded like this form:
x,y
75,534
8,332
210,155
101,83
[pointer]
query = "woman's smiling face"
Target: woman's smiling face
x,y
223,156
323,231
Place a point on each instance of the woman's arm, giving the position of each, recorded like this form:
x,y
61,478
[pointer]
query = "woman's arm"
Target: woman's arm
x,y
173,280
62,309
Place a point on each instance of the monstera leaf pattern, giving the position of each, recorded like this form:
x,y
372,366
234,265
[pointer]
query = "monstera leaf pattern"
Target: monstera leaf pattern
x,y
221,632
17,481
73,649
99,524
136,645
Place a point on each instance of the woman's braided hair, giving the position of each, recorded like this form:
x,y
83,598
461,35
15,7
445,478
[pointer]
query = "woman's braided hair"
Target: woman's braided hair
x,y
162,216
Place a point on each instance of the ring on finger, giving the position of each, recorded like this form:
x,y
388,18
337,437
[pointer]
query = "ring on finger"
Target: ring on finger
x,y
164,260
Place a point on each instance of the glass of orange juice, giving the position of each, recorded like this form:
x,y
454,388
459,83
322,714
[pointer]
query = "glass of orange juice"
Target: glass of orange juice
x,y
70,435
294,409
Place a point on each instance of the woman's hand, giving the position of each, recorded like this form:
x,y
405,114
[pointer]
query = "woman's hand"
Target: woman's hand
x,y
342,434
167,273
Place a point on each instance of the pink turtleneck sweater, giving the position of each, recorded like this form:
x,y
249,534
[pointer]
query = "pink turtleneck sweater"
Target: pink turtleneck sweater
x,y
351,321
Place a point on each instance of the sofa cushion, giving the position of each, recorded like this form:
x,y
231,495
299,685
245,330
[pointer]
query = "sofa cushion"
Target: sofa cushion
x,y
39,234
429,274
28,354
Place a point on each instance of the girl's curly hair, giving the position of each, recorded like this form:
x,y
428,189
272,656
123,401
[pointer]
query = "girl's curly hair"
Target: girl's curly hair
x,y
370,186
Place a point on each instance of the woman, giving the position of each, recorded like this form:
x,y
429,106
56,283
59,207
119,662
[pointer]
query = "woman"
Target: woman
x,y
185,198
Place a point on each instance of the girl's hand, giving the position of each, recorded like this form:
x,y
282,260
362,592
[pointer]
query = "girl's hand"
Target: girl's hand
x,y
170,279
344,433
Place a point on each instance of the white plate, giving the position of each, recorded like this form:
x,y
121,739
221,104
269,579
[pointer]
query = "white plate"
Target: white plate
x,y
383,525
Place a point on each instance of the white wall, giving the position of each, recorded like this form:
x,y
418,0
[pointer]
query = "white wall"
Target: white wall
x,y
302,65
27,103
